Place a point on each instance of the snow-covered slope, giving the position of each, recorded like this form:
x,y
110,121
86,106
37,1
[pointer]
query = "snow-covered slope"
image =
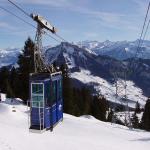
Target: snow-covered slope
x,y
74,133
119,49
107,89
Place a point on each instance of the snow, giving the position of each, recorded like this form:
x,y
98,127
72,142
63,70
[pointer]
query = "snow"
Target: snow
x,y
74,133
121,115
126,49
117,48
88,117
9,56
89,44
69,49
90,51
69,60
2,96
107,89
51,55
82,55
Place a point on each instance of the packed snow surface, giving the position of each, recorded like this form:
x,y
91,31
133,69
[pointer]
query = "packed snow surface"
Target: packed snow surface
x,y
74,133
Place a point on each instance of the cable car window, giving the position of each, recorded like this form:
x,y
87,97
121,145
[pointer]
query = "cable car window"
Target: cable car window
x,y
37,95
37,101
37,88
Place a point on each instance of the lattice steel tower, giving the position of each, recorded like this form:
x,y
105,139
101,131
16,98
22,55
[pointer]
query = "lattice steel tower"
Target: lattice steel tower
x,y
40,63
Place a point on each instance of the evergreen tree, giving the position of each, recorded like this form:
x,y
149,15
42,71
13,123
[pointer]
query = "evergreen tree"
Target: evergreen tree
x,y
26,66
5,82
99,108
14,82
4,79
137,107
67,90
10,92
135,120
145,123
76,100
110,116
86,98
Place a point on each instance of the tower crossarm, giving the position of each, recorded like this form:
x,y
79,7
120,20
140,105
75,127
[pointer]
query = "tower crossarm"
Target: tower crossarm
x,y
43,23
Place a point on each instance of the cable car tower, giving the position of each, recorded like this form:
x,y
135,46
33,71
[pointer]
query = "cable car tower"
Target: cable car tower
x,y
121,96
39,60
45,85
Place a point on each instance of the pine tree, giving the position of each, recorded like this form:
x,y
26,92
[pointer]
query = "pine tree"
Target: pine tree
x,y
110,116
76,102
99,108
137,107
135,120
145,123
10,92
67,90
86,98
26,66
4,79
6,82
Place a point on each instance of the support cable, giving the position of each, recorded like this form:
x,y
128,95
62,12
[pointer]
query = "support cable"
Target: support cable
x,y
143,27
19,8
27,23
27,14
17,16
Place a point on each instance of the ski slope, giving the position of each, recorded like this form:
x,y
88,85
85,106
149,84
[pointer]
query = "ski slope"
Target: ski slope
x,y
74,133
107,89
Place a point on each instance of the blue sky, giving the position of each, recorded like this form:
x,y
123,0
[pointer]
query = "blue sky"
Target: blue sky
x,y
76,20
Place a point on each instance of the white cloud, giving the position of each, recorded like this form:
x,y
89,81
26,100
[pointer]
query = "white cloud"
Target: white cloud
x,y
54,3
113,19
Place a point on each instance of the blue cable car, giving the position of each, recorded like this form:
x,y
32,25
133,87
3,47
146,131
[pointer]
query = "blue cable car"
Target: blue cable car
x,y
46,103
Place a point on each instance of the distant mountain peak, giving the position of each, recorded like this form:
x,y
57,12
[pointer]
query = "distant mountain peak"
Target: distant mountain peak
x,y
117,49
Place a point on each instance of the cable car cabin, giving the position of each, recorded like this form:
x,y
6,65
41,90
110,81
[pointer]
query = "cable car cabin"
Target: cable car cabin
x,y
46,104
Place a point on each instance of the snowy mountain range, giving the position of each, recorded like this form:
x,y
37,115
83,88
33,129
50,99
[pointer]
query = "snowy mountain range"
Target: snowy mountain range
x,y
96,71
120,50
9,56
